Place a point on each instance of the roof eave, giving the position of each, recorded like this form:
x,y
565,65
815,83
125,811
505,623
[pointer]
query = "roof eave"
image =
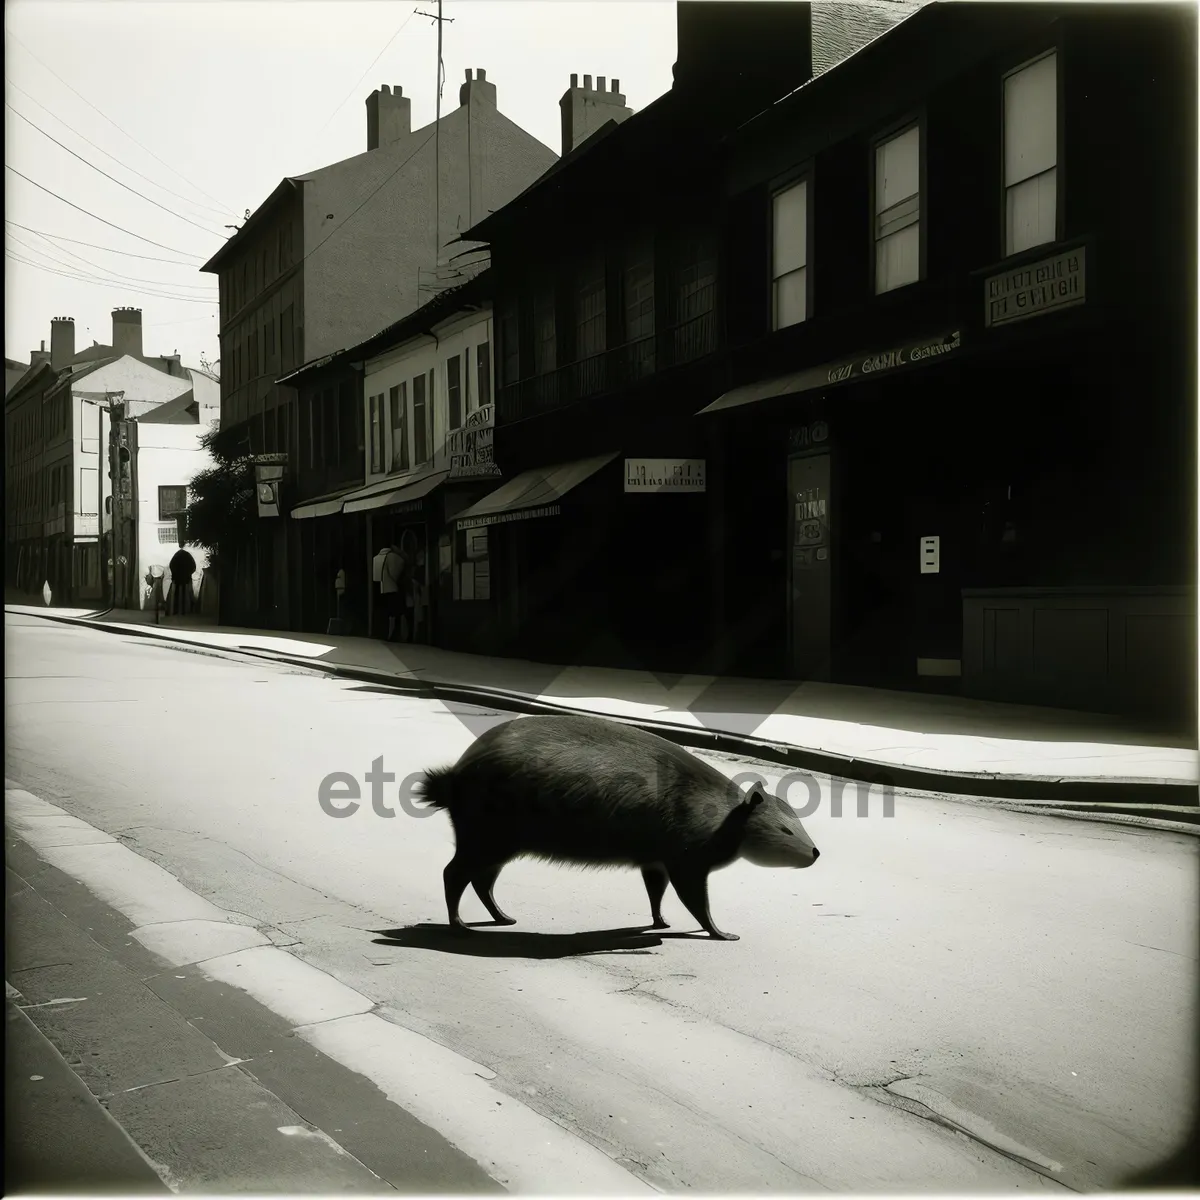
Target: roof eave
x,y
286,186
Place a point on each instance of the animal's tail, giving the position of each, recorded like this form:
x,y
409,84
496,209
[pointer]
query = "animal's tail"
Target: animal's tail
x,y
437,788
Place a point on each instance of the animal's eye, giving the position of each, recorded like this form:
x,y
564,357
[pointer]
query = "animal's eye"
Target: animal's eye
x,y
785,829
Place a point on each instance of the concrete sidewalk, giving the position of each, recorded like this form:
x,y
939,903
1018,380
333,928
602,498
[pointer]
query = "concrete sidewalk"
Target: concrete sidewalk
x,y
933,742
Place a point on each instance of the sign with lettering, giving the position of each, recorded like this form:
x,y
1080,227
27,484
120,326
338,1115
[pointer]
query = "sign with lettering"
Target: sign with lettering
x,y
1041,287
664,474
470,448
889,360
503,518
805,437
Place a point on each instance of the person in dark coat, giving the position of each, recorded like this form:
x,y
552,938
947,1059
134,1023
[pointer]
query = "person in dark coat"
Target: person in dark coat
x,y
182,568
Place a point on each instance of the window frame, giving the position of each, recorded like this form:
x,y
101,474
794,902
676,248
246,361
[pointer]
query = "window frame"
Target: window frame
x,y
397,402
917,119
170,487
803,173
455,393
1053,49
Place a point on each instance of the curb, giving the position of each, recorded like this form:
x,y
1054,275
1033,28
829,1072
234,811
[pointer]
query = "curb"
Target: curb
x,y
1096,797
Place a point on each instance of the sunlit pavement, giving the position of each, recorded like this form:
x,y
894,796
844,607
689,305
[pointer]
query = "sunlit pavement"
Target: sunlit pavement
x,y
1025,980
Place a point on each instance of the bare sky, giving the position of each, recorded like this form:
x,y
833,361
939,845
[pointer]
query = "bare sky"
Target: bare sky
x,y
204,106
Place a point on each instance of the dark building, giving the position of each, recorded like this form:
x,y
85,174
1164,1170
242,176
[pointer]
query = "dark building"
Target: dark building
x,y
609,326
956,449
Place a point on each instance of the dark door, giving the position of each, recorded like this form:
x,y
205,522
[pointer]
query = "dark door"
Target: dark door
x,y
810,568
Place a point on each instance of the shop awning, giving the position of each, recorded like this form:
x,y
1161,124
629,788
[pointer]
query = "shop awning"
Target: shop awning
x,y
532,494
367,499
859,366
328,507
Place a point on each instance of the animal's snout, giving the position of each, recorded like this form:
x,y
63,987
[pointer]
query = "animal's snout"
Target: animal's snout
x,y
816,854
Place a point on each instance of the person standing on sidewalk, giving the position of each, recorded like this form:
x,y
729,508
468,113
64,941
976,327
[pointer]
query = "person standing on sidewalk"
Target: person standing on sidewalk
x,y
393,585
182,568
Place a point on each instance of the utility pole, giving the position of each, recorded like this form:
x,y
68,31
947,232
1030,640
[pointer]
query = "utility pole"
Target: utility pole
x,y
105,402
437,138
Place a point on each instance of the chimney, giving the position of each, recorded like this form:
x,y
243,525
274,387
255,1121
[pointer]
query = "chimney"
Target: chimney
x,y
477,90
37,357
62,342
736,57
389,117
127,331
586,109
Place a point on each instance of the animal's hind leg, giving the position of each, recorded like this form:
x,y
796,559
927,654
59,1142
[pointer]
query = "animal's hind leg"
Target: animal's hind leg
x,y
456,876
691,884
483,881
654,876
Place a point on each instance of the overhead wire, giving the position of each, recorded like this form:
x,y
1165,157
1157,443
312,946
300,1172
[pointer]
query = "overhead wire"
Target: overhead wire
x,y
87,212
116,275
100,171
60,237
13,37
108,154
107,283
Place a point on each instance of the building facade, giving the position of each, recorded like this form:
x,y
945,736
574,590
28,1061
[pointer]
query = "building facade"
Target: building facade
x,y
331,257
957,448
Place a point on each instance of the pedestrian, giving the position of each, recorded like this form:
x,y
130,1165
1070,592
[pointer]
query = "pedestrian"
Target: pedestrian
x,y
182,568
393,588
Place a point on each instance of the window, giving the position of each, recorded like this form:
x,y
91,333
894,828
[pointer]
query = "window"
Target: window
x,y
510,344
314,428
483,365
420,441
589,311
376,418
269,344
789,256
399,407
88,500
1031,155
544,357
638,286
287,340
454,394
898,210
330,414
349,451
171,500
472,565
89,427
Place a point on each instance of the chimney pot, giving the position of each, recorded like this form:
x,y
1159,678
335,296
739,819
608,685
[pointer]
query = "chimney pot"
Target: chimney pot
x,y
616,85
481,75
468,74
62,342
587,82
574,80
599,83
385,90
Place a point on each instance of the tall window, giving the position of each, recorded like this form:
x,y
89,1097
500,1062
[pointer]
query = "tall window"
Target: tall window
x,y
376,417
898,210
420,441
89,497
638,288
1031,155
544,359
286,342
789,256
329,410
483,373
589,310
510,344
399,407
454,391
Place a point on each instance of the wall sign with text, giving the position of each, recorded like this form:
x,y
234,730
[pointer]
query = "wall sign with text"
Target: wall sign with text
x,y
664,475
1036,289
470,448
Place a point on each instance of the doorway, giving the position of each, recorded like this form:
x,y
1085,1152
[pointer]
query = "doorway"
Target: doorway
x,y
809,565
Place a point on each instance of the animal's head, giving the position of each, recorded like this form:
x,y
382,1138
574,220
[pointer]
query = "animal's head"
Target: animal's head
x,y
773,835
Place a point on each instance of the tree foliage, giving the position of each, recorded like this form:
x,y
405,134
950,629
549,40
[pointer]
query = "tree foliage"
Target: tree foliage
x,y
222,509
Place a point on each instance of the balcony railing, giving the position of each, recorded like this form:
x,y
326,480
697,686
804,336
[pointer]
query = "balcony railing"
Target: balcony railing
x,y
612,370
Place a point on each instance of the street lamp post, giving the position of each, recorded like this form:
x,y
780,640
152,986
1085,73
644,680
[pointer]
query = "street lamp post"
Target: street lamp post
x,y
106,402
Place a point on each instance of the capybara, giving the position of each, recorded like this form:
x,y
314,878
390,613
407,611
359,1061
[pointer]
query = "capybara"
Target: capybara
x,y
594,792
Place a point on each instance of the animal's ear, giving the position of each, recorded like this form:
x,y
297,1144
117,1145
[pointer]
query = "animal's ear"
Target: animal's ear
x,y
754,796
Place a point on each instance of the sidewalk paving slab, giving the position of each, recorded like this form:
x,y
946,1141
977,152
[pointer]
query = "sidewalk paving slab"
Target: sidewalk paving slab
x,y
949,744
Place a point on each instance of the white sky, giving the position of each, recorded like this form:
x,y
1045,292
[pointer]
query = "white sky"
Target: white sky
x,y
225,99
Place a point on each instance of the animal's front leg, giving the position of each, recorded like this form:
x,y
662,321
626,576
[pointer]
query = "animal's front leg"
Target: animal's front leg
x,y
655,878
691,885
483,881
456,876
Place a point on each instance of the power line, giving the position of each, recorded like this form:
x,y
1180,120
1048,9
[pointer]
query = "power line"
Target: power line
x,y
369,69
60,237
107,284
86,212
141,195
75,272
116,275
13,37
107,154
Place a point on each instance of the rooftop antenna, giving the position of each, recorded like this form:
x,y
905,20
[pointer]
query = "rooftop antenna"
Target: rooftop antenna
x,y
437,135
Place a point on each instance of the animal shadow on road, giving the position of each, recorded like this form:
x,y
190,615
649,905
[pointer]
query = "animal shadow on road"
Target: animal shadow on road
x,y
507,943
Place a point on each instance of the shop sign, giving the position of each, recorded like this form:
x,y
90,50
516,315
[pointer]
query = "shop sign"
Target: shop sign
x,y
805,437
665,474
503,518
470,448
889,360
268,476
1042,287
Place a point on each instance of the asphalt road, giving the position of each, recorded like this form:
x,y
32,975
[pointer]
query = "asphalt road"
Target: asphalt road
x,y
954,998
